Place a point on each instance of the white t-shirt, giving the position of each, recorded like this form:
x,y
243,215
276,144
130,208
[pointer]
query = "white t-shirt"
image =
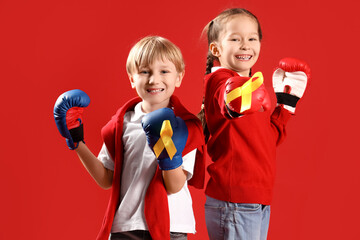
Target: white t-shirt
x,y
139,166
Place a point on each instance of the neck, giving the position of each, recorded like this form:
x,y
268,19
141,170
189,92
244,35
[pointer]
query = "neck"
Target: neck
x,y
148,107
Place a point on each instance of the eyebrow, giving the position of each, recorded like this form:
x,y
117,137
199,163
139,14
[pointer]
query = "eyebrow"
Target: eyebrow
x,y
164,66
236,34
160,66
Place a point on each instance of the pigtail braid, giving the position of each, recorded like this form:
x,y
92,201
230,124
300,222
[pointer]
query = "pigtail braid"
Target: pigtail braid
x,y
201,116
209,62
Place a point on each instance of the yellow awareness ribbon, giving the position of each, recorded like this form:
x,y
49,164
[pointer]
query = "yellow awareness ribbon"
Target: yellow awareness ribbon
x,y
165,140
245,91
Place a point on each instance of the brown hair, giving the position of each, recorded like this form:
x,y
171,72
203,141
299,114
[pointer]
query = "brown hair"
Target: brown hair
x,y
213,30
151,48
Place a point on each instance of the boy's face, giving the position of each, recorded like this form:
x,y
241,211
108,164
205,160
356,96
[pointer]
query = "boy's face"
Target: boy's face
x,y
156,83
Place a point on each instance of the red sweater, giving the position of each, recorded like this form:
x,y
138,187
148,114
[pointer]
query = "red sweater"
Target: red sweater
x,y
243,150
156,202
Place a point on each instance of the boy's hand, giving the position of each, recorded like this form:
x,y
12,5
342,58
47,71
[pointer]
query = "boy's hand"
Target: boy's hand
x,y
289,82
166,135
67,113
244,95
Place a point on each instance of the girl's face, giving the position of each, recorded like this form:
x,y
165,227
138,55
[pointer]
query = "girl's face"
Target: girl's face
x,y
238,47
156,83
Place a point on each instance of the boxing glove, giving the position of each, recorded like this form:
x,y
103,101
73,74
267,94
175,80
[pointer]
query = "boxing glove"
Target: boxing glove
x,y
68,111
244,95
166,135
289,82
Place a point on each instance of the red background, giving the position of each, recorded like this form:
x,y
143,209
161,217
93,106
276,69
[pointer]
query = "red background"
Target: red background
x,y
48,47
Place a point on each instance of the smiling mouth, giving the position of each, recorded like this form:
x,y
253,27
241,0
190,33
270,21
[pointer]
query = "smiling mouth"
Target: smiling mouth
x,y
243,57
153,90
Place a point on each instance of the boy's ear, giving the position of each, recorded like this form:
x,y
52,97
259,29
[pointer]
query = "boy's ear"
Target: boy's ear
x,y
180,78
131,80
214,49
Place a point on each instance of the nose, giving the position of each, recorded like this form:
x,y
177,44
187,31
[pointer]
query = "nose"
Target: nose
x,y
244,45
154,79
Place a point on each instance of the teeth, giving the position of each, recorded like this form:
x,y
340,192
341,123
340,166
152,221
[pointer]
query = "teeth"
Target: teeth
x,y
155,90
243,57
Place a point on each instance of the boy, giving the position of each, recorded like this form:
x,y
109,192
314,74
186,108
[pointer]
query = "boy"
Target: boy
x,y
149,151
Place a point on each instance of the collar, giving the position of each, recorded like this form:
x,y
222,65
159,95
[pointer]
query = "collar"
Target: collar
x,y
138,113
214,69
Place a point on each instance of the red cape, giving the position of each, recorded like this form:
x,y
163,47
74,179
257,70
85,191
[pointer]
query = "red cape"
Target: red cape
x,y
156,203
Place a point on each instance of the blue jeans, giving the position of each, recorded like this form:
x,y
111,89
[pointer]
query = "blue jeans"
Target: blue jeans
x,y
236,221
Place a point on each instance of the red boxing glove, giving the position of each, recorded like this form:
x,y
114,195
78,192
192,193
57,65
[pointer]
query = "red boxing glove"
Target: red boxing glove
x,y
74,117
294,65
245,95
289,82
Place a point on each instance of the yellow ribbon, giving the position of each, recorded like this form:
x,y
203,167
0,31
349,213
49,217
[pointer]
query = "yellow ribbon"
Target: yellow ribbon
x,y
246,91
165,140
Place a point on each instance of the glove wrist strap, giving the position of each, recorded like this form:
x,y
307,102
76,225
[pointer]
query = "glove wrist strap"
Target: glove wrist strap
x,y
77,134
287,99
233,114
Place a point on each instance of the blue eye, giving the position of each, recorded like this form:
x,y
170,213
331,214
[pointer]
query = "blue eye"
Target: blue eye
x,y
144,72
164,71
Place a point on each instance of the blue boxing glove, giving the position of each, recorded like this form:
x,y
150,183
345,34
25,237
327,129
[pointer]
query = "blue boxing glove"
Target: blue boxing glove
x,y
67,113
166,135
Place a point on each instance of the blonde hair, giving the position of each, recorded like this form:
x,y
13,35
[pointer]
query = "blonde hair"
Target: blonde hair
x,y
151,48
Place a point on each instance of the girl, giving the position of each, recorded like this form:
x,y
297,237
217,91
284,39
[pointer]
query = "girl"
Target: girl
x,y
241,133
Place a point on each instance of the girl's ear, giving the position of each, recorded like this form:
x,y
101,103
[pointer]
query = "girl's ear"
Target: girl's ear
x,y
214,49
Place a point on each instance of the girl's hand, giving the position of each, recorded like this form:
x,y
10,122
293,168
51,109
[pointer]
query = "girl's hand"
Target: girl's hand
x,y
244,95
289,82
